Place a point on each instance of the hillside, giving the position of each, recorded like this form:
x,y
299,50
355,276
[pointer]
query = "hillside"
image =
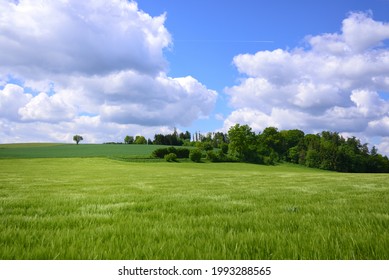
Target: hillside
x,y
58,150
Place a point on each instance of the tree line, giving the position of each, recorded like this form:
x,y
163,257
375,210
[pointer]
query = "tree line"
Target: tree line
x,y
326,150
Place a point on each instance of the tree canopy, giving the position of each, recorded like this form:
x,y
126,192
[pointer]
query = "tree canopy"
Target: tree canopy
x,y
77,138
325,150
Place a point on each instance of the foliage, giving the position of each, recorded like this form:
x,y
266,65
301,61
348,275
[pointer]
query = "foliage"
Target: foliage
x,y
129,139
204,146
140,140
180,152
195,155
327,150
77,138
242,143
160,153
170,157
218,156
224,147
212,156
173,139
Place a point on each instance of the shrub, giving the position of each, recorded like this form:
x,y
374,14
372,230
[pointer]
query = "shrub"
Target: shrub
x,y
160,153
182,153
171,150
224,148
219,156
207,146
170,157
195,155
212,156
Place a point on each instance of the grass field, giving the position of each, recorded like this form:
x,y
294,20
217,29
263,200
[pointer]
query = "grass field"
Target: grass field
x,y
53,150
101,208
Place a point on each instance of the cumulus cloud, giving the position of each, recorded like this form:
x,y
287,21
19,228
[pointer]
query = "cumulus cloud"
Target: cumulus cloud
x,y
46,108
361,32
132,97
340,82
12,97
383,147
185,105
80,37
101,61
379,127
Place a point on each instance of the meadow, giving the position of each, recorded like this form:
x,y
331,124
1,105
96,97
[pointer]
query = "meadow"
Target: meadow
x,y
98,207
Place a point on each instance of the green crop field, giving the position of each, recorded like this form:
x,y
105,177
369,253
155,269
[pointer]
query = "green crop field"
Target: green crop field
x,y
52,150
89,207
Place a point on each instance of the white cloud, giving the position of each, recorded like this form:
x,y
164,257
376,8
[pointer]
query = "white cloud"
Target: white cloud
x,y
100,62
12,97
46,108
383,147
82,37
361,32
135,98
256,118
379,127
369,103
335,84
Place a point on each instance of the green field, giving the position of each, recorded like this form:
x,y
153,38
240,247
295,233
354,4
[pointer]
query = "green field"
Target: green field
x,y
52,150
80,207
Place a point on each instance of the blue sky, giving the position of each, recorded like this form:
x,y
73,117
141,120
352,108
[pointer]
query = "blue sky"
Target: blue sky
x,y
105,69
208,34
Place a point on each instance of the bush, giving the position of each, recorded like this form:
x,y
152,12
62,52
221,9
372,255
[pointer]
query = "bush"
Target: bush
x,y
195,155
182,153
170,157
160,153
212,156
219,156
224,148
171,150
207,146
271,159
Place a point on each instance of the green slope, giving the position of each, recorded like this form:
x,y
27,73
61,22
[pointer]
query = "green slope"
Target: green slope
x,y
53,150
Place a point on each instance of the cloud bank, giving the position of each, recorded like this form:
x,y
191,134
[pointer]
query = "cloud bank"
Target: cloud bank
x,y
338,82
97,67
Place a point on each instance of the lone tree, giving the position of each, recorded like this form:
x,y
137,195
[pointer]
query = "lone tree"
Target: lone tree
x,y
77,138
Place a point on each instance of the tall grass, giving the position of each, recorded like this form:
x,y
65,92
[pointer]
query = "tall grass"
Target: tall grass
x,y
96,208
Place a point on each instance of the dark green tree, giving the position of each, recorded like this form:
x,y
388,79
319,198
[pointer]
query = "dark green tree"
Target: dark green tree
x,y
77,138
291,140
129,139
270,144
242,142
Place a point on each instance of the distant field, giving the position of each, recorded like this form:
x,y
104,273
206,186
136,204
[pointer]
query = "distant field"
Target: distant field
x,y
99,208
54,150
